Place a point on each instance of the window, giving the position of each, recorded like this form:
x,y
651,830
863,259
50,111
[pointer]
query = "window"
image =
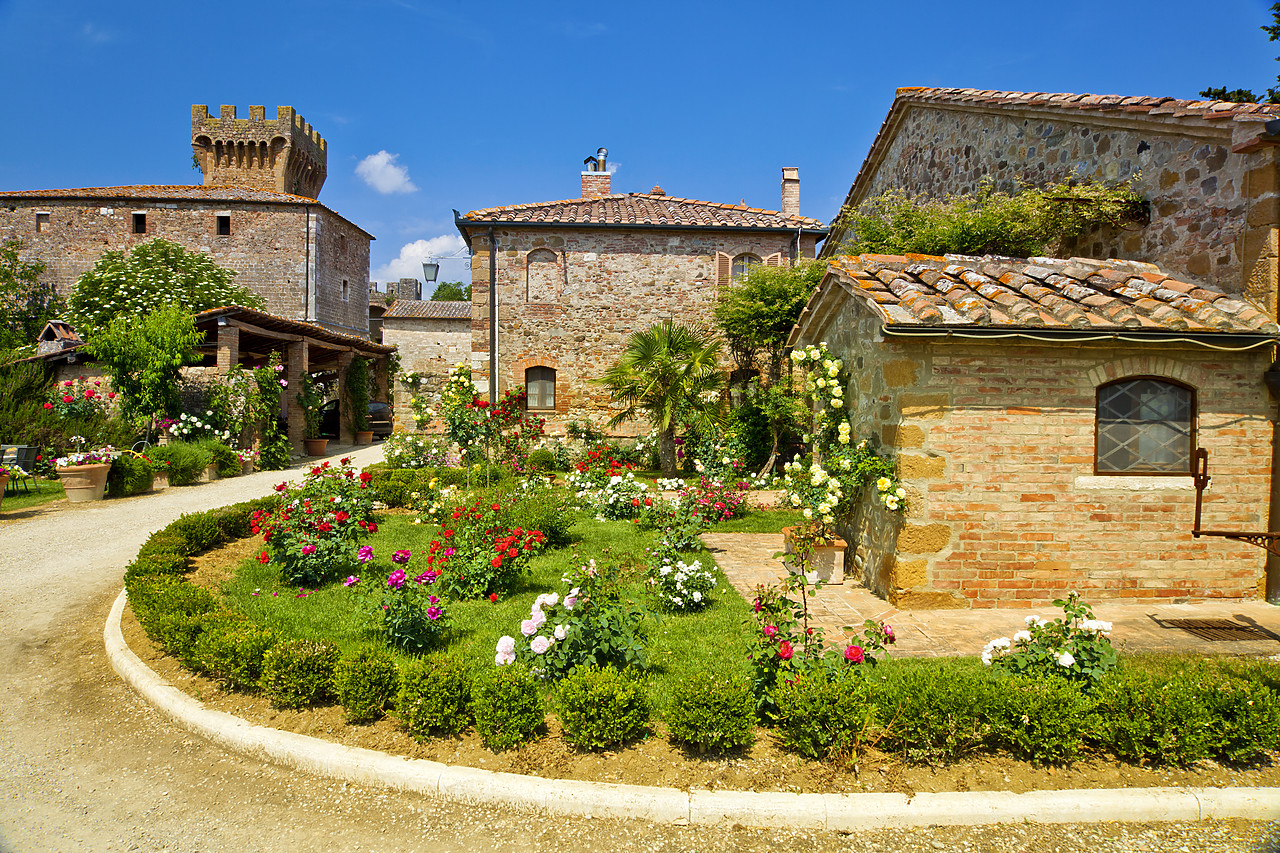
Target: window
x,y
542,272
742,265
1145,426
224,225
42,222
346,291
540,383
139,223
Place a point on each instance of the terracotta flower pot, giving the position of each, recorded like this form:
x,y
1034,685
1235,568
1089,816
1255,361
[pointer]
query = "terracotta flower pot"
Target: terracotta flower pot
x,y
827,558
4,484
84,482
210,474
364,436
316,446
246,467
159,481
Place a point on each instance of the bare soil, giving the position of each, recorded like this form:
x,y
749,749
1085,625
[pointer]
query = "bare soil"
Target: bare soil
x,y
654,761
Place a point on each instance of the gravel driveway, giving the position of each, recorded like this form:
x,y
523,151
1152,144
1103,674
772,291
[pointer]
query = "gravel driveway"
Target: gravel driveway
x,y
85,765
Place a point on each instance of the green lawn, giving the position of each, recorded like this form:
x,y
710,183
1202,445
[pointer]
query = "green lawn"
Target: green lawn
x,y
42,492
713,638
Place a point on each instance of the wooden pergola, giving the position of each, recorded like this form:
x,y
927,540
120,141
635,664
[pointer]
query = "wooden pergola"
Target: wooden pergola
x,y
237,335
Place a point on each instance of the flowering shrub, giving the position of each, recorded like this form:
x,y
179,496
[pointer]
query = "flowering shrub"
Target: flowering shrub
x,y
79,399
680,522
314,534
718,456
504,431
785,647
488,552
679,586
411,450
403,609
714,500
190,427
589,624
830,486
1076,647
597,467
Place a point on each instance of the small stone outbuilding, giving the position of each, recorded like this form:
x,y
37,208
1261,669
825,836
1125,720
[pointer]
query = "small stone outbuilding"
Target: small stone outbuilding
x,y
1044,416
432,338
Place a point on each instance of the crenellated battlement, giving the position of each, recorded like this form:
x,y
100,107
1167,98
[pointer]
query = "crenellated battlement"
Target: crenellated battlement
x,y
284,154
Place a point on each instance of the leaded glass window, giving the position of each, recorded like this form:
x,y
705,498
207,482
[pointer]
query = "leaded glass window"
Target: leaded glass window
x,y
1145,427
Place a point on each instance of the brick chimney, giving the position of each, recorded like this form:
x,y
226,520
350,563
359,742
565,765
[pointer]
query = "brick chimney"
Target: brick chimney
x,y
596,179
790,191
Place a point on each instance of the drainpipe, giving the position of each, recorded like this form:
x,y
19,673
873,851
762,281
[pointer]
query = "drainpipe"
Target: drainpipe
x,y
493,317
306,273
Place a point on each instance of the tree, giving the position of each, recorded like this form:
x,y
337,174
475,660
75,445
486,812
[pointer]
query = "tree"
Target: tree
x,y
451,291
26,303
1246,96
145,355
668,374
758,313
155,273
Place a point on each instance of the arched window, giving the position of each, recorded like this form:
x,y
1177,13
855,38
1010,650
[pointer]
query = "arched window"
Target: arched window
x,y
542,271
1145,426
540,383
742,265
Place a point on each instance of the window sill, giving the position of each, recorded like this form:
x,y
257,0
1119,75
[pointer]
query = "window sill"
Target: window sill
x,y
1136,483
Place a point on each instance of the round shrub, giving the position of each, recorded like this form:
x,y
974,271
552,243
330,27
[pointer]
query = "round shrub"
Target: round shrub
x,y
935,712
1247,716
541,460
507,706
155,599
232,653
1042,720
1142,717
129,475
224,458
186,461
712,711
366,683
298,673
600,707
818,717
434,696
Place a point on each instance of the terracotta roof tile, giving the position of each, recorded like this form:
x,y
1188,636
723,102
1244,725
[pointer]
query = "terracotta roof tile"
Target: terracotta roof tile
x,y
643,209
424,309
1078,294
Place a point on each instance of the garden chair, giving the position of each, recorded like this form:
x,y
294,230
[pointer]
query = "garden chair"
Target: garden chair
x,y
21,460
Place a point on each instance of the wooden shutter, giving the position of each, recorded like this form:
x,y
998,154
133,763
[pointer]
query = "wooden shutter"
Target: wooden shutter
x,y
774,260
724,268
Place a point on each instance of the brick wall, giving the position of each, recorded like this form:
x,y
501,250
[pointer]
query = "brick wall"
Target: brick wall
x,y
1213,212
579,311
995,444
267,248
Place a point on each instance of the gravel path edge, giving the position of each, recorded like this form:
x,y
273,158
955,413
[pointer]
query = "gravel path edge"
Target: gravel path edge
x,y
831,812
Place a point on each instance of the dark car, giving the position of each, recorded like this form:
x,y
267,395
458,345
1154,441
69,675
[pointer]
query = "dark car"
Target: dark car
x,y
379,419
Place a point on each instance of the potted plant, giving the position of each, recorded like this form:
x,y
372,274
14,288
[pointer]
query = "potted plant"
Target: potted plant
x,y
84,475
310,399
159,475
358,397
247,458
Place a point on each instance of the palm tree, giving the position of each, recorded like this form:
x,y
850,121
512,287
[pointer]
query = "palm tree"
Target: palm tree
x,y
668,373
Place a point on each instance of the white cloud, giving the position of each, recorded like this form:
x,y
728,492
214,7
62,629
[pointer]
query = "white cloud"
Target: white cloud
x,y
381,172
409,264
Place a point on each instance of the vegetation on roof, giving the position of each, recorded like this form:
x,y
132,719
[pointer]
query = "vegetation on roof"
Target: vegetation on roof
x,y
1028,223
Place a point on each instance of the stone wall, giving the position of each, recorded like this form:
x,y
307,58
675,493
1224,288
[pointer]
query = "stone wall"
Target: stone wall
x,y
430,348
1213,211
578,311
995,444
268,247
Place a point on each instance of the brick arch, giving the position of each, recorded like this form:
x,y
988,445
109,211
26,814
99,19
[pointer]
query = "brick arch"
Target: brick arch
x,y
1190,374
519,366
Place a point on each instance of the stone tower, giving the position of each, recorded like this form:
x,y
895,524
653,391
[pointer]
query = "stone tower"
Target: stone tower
x,y
282,154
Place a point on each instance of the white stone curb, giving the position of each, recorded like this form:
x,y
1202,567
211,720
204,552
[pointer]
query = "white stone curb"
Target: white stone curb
x,y
833,812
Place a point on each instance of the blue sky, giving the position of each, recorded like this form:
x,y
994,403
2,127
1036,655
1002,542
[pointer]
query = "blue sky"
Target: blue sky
x,y
469,105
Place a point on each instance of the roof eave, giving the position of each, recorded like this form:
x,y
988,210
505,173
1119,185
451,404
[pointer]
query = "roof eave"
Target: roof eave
x,y
463,222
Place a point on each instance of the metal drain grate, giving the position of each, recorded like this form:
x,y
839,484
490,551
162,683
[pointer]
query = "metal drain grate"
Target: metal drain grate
x,y
1218,629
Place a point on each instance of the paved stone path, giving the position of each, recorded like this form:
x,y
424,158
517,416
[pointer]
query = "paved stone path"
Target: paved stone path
x,y
747,560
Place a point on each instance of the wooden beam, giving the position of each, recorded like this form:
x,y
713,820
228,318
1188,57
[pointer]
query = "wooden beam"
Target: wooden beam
x,y
258,330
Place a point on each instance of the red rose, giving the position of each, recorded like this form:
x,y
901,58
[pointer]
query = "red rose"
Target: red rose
x,y
365,476
784,650
373,527
340,516
66,398
497,562
263,558
493,597
48,405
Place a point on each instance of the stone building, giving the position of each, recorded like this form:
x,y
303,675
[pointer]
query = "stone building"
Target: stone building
x,y
1207,168
565,283
1044,417
432,338
306,261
